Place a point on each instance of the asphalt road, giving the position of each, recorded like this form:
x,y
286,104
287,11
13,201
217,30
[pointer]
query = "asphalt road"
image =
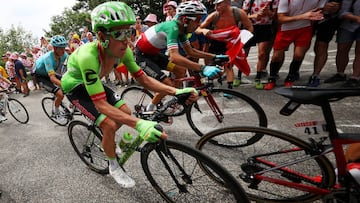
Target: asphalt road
x,y
38,164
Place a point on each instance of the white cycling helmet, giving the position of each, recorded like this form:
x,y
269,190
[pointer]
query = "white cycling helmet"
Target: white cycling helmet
x,y
191,8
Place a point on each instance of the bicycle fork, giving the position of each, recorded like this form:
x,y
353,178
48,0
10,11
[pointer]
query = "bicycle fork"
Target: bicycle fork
x,y
212,104
89,143
186,178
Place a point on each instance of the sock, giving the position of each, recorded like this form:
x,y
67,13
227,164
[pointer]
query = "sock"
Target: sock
x,y
274,69
258,75
230,85
294,67
56,110
113,164
239,75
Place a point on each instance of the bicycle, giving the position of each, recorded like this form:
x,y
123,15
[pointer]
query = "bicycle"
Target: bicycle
x,y
16,109
173,169
279,167
215,108
66,111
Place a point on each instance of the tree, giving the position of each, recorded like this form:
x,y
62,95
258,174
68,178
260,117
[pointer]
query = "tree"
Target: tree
x,y
79,15
69,21
15,39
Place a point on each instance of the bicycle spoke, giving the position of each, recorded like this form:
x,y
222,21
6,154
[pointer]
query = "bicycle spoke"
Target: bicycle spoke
x,y
178,177
274,157
88,146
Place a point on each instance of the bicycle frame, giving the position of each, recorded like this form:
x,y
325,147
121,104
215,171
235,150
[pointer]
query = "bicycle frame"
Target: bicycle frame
x,y
205,92
337,140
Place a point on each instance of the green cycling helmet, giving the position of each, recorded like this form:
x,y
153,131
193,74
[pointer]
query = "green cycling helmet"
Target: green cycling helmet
x,y
111,14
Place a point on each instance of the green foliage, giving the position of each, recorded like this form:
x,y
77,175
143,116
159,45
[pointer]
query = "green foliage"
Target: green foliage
x,y
15,39
71,20
143,7
79,15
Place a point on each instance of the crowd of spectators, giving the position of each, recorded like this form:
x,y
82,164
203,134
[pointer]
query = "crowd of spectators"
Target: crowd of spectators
x,y
273,21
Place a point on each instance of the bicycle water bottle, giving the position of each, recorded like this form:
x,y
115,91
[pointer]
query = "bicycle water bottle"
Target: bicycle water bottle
x,y
125,141
134,146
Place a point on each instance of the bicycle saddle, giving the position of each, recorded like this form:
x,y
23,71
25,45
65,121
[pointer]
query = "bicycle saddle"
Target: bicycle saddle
x,y
311,95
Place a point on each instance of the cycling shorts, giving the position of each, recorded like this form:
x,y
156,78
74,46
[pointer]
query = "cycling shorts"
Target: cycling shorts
x,y
153,65
80,98
45,82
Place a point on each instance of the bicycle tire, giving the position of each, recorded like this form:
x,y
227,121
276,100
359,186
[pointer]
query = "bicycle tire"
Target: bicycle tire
x,y
136,98
195,185
18,110
237,110
242,163
47,104
86,141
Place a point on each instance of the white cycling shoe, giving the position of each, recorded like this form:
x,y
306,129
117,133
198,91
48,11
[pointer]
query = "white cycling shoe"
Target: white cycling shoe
x,y
122,178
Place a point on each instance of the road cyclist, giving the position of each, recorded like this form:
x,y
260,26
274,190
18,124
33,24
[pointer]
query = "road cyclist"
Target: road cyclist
x,y
166,37
83,87
49,69
9,104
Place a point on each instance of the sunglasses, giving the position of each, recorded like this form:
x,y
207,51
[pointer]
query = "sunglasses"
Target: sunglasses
x,y
120,35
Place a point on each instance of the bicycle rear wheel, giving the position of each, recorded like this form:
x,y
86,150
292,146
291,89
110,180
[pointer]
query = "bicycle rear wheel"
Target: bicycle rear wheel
x,y
18,110
47,104
181,163
137,98
237,109
86,141
252,164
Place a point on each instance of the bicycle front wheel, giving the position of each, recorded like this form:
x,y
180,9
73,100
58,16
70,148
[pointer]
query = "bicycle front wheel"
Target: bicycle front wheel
x,y
274,168
86,141
236,109
175,173
47,104
136,98
18,110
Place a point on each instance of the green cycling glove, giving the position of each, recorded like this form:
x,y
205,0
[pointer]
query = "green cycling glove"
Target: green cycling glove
x,y
147,130
186,90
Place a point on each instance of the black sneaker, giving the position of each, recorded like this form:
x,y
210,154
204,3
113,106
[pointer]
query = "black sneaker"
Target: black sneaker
x,y
352,83
314,81
336,78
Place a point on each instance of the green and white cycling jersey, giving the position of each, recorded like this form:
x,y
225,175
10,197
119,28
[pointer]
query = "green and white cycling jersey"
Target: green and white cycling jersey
x,y
83,67
161,36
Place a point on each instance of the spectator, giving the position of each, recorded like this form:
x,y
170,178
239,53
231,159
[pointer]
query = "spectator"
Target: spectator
x,y
84,34
348,33
75,42
261,13
20,74
90,37
44,45
3,71
224,17
150,20
170,8
10,69
139,27
68,50
29,65
324,31
295,20
121,73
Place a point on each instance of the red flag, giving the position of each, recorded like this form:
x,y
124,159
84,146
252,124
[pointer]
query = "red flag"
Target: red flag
x,y
233,37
